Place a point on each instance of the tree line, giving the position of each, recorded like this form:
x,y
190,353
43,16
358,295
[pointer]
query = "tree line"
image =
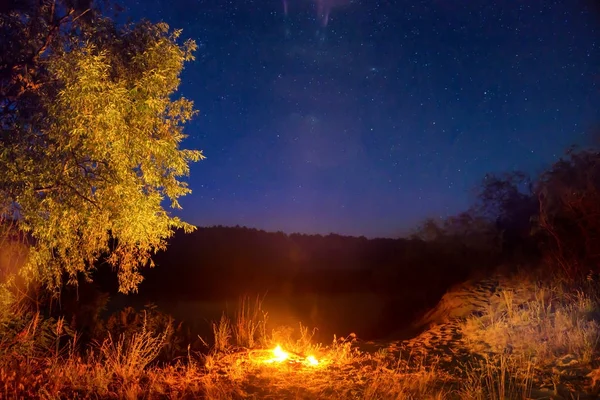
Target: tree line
x,y
91,133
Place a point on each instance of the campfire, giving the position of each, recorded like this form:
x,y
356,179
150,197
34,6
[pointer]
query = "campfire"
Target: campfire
x,y
279,356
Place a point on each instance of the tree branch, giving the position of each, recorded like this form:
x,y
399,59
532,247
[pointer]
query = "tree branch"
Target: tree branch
x,y
18,72
55,27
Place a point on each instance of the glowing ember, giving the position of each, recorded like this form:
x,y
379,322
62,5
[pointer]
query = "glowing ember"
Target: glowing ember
x,y
311,360
280,355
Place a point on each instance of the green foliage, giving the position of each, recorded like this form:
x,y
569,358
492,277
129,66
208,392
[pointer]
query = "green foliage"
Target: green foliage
x,y
91,145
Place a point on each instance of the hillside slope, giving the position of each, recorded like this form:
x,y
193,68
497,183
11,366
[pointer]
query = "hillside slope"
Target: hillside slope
x,y
533,338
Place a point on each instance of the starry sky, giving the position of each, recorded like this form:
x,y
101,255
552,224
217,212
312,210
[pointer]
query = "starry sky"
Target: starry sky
x,y
384,113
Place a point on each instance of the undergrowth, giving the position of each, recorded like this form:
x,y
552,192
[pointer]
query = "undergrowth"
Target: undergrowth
x,y
530,334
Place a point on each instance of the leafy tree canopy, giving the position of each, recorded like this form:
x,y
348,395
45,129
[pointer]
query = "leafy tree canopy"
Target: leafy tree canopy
x,y
90,139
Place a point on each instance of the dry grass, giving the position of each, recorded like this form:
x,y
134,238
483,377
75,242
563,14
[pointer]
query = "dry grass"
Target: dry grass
x,y
543,322
529,336
337,371
222,334
128,357
250,327
498,378
535,334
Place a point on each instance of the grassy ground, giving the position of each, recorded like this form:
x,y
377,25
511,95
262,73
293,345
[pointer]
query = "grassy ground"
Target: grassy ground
x,y
516,338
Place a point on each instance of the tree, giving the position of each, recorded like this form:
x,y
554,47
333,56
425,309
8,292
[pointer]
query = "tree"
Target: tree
x,y
509,203
90,139
569,210
461,234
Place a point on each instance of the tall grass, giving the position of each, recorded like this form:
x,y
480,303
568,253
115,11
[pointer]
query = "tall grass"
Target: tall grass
x,y
543,321
222,334
527,332
128,357
534,329
249,328
498,378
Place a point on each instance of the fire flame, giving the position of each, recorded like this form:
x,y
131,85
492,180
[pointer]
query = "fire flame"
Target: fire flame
x,y
311,360
280,356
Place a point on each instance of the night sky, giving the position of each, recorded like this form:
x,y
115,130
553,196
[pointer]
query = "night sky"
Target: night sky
x,y
386,113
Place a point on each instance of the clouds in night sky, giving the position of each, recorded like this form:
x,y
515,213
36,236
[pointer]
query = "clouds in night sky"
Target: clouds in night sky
x,y
381,115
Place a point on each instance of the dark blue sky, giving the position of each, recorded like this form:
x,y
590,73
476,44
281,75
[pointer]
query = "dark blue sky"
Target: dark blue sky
x,y
391,113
